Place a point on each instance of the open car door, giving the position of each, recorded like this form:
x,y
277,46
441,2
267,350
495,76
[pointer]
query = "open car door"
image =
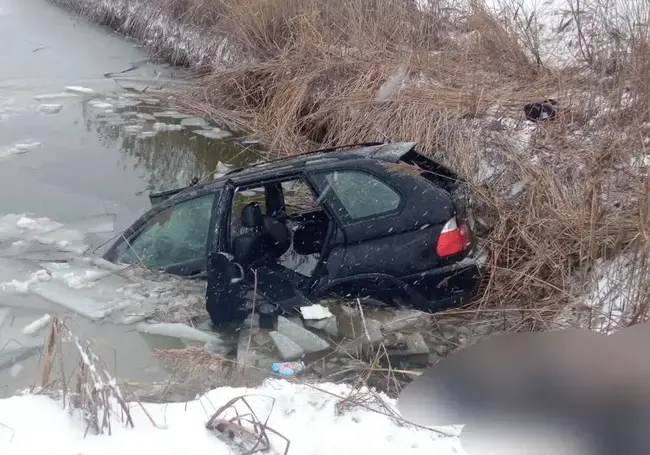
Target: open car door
x,y
225,277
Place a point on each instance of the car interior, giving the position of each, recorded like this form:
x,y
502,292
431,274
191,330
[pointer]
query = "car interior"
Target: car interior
x,y
276,238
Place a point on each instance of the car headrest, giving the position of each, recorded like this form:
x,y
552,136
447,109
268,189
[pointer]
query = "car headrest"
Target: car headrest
x,y
251,215
280,236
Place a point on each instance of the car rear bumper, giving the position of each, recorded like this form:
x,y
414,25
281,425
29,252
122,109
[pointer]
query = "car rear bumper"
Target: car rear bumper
x,y
446,287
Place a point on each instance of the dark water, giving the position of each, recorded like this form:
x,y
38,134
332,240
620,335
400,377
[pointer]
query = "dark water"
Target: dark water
x,y
84,154
85,164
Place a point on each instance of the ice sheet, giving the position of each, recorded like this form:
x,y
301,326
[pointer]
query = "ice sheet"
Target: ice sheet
x,y
177,330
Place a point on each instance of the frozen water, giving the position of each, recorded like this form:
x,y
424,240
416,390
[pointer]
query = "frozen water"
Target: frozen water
x,y
79,89
20,148
50,108
100,104
301,336
177,330
4,314
55,96
158,126
33,328
287,348
194,122
315,312
213,133
132,129
170,115
125,102
146,117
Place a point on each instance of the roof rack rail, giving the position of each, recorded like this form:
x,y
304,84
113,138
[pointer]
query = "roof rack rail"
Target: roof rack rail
x,y
311,152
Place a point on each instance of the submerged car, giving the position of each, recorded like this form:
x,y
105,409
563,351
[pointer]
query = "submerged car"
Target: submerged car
x,y
377,220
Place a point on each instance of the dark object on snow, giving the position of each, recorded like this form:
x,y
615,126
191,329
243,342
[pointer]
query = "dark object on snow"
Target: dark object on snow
x,y
377,220
564,392
541,111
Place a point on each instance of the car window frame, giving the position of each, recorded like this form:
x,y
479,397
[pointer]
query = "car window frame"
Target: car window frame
x,y
139,226
337,206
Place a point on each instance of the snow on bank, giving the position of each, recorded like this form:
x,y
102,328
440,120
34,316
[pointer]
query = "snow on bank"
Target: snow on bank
x,y
616,285
33,425
175,40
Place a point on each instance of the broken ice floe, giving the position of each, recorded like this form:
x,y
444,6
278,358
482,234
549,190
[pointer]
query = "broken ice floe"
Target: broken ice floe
x,y
124,102
49,108
213,133
170,115
4,314
178,330
35,327
20,147
160,127
315,312
308,341
100,105
146,117
55,96
79,89
192,122
132,129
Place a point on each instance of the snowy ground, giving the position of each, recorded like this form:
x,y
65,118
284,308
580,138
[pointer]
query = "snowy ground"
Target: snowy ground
x,y
305,415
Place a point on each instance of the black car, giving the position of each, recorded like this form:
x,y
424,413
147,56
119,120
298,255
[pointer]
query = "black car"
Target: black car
x,y
376,220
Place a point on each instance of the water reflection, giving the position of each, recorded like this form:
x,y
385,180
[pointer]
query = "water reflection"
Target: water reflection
x,y
167,159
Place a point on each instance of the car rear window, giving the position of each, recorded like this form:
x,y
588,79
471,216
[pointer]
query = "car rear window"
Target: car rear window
x,y
362,195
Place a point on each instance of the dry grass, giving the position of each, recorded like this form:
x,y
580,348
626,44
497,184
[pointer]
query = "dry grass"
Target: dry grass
x,y
89,389
562,198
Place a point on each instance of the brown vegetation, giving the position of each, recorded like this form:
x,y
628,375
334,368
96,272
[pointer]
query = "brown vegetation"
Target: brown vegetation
x,y
455,78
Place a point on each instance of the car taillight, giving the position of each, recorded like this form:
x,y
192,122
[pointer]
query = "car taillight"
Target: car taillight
x,y
453,239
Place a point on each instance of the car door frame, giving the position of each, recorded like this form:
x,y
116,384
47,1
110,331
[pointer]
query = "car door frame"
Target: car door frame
x,y
197,267
222,241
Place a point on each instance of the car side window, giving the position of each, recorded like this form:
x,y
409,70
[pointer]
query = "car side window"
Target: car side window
x,y
361,194
177,234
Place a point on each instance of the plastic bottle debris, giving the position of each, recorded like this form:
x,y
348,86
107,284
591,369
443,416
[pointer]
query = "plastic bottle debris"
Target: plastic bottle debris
x,y
288,368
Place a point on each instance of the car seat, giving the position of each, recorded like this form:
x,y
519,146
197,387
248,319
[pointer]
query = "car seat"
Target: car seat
x,y
267,239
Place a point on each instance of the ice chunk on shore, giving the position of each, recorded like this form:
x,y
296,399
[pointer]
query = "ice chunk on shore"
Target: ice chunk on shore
x,y
288,349
177,330
315,312
307,340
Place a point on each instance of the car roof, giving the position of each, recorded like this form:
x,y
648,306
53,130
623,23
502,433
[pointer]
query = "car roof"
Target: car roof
x,y
374,150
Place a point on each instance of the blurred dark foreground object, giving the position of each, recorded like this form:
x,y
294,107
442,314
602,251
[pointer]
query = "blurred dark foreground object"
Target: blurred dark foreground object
x,y
564,392
543,110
